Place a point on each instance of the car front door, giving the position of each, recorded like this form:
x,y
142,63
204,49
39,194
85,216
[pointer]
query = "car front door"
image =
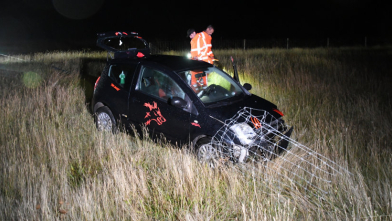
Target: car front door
x,y
150,105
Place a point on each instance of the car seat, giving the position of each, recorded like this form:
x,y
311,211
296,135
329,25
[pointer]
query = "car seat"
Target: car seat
x,y
150,84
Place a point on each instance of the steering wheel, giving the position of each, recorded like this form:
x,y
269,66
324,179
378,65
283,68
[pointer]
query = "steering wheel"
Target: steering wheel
x,y
207,91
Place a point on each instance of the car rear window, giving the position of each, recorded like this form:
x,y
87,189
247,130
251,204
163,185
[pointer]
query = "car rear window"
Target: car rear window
x,y
124,43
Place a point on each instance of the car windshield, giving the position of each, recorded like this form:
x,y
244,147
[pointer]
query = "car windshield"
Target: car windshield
x,y
211,84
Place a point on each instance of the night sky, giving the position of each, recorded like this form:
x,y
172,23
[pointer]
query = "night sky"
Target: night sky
x,y
80,20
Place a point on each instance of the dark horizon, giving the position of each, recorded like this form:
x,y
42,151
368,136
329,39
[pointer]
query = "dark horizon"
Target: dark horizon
x,y
63,21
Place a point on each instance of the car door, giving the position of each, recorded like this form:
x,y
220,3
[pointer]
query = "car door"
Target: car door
x,y
150,105
121,76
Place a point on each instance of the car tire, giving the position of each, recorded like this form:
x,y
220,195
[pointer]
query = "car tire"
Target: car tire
x,y
259,154
206,152
105,120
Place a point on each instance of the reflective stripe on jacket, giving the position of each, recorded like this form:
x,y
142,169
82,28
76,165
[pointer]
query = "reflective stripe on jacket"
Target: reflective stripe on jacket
x,y
201,47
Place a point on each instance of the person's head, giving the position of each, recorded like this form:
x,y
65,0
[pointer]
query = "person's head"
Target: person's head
x,y
209,29
191,33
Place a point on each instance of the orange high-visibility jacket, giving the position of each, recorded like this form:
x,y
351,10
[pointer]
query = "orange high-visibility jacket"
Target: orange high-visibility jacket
x,y
201,47
195,50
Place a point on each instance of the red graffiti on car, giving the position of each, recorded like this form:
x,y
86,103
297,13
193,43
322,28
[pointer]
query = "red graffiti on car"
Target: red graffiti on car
x,y
255,122
154,114
114,86
195,124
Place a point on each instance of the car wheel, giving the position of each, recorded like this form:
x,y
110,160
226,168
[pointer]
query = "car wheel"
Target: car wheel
x,y
261,154
270,153
105,120
266,153
206,152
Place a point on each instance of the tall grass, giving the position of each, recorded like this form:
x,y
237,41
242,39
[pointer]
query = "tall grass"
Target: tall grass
x,y
55,165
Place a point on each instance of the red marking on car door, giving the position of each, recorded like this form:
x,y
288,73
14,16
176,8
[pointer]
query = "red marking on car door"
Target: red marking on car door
x,y
114,86
154,114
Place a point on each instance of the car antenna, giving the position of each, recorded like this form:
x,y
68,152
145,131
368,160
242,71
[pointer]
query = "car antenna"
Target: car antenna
x,y
218,120
235,70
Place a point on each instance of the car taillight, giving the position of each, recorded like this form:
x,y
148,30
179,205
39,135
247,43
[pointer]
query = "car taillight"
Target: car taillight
x,y
96,83
279,112
121,33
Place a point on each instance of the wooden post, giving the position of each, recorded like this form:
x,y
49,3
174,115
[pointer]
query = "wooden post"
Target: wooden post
x,y
244,43
287,43
327,42
365,41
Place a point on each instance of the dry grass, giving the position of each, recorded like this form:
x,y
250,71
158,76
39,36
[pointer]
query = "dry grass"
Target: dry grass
x,y
55,165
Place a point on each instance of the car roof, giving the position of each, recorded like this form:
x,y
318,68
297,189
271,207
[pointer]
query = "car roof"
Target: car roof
x,y
175,63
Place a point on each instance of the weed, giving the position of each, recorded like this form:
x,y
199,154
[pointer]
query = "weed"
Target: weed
x,y
338,101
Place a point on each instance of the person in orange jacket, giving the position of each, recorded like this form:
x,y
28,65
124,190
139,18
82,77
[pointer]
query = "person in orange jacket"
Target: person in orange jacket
x,y
204,43
197,82
201,45
191,33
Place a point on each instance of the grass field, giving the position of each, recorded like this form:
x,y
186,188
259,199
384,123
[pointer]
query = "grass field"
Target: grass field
x,y
54,165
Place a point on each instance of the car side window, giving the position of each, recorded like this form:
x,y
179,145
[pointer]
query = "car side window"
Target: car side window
x,y
122,75
158,84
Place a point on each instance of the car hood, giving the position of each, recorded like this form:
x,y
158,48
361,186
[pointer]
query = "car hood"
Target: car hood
x,y
226,110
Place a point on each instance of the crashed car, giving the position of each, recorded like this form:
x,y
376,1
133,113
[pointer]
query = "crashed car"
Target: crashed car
x,y
186,101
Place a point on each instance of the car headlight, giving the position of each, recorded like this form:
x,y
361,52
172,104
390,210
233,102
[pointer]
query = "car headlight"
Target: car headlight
x,y
244,132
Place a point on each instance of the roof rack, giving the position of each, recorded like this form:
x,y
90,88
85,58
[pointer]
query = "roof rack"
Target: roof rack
x,y
123,44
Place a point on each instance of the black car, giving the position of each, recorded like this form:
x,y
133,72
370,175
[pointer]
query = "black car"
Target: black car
x,y
185,100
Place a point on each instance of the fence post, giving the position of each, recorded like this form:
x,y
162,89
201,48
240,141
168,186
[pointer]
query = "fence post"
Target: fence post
x,y
287,43
327,42
365,41
244,43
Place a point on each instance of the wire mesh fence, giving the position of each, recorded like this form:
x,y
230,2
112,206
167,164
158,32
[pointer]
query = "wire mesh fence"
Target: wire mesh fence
x,y
184,45
254,140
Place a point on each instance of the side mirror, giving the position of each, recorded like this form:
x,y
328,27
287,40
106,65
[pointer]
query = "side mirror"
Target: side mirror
x,y
178,102
247,86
